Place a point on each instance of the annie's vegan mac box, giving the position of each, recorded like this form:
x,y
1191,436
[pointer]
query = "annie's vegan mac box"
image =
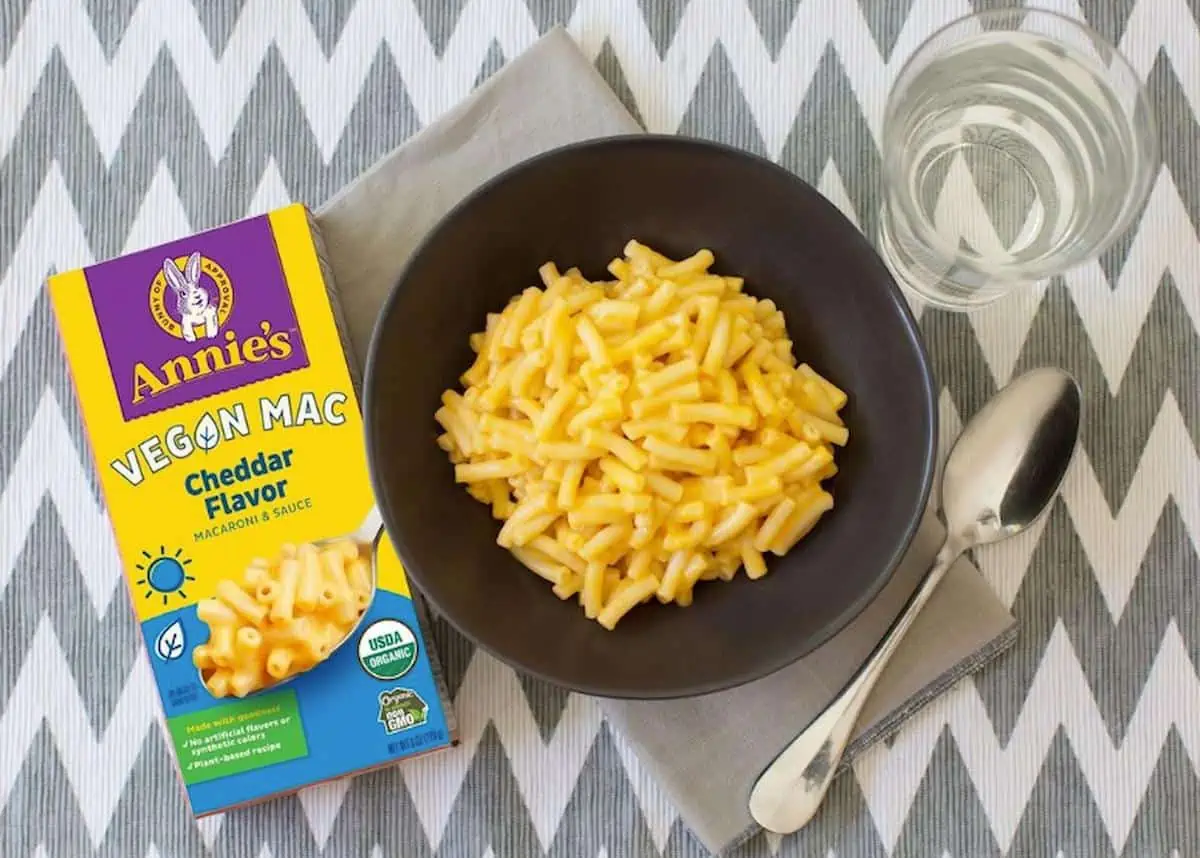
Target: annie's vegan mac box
x,y
285,643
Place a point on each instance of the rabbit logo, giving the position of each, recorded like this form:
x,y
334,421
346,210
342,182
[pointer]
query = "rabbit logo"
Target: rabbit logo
x,y
194,310
203,315
191,298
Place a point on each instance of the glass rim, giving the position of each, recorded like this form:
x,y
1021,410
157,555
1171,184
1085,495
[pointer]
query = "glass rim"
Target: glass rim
x,y
1138,195
1083,27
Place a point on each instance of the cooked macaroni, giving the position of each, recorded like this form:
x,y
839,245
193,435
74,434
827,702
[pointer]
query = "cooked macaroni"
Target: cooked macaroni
x,y
639,435
283,616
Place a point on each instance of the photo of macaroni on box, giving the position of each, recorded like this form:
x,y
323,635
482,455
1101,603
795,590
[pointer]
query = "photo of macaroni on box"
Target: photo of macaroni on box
x,y
224,423
285,615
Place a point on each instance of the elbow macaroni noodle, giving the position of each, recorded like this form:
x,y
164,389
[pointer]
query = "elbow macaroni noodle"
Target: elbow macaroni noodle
x,y
639,435
283,616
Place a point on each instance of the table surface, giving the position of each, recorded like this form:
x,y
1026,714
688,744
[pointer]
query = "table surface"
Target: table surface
x,y
152,119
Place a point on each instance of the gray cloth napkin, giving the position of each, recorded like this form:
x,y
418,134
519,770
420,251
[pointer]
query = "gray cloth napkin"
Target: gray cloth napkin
x,y
705,751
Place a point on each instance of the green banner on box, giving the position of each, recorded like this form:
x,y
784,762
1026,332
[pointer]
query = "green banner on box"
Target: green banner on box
x,y
238,737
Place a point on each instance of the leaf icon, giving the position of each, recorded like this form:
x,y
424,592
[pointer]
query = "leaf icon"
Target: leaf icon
x,y
207,434
169,644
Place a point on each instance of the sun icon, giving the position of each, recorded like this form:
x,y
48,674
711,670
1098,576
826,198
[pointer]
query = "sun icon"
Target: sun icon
x,y
164,574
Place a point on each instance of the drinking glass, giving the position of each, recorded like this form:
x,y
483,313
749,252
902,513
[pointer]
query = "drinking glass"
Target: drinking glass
x,y
1017,143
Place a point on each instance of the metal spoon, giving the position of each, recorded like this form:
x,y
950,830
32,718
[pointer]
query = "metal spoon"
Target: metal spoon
x,y
367,534
1003,472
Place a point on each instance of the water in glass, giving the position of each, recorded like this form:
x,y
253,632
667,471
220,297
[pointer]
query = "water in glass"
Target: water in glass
x,y
1009,156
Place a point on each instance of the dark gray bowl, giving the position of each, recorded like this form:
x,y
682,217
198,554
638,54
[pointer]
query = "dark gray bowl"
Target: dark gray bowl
x,y
578,206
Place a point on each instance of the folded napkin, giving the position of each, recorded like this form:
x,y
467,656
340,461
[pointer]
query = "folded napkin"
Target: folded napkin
x,y
705,751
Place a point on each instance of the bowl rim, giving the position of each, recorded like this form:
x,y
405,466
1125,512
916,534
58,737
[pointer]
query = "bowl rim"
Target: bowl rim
x,y
766,667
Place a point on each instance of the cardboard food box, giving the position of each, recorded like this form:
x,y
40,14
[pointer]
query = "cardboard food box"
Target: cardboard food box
x,y
224,422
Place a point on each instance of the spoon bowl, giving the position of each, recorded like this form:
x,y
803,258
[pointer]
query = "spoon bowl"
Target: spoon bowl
x,y
1009,462
366,538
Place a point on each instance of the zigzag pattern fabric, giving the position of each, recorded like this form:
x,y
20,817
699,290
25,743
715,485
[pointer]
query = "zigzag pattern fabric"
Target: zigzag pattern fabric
x,y
126,123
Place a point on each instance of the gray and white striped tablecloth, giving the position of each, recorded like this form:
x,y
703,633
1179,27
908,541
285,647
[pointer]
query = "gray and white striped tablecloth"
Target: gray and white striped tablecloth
x,y
124,123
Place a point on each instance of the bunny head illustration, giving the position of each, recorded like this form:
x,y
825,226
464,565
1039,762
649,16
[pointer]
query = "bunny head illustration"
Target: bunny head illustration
x,y
192,300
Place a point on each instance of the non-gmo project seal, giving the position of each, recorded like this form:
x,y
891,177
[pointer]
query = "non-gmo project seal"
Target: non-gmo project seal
x,y
387,649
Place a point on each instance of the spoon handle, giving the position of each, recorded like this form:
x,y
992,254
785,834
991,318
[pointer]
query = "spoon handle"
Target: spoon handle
x,y
786,796
369,529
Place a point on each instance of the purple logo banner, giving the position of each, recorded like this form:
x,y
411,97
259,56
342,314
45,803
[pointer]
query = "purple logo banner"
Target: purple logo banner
x,y
196,317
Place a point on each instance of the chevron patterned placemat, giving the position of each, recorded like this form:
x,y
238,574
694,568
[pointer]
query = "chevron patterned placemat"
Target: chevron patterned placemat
x,y
124,123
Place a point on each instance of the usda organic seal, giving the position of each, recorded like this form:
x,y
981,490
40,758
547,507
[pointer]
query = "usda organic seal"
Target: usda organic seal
x,y
387,649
